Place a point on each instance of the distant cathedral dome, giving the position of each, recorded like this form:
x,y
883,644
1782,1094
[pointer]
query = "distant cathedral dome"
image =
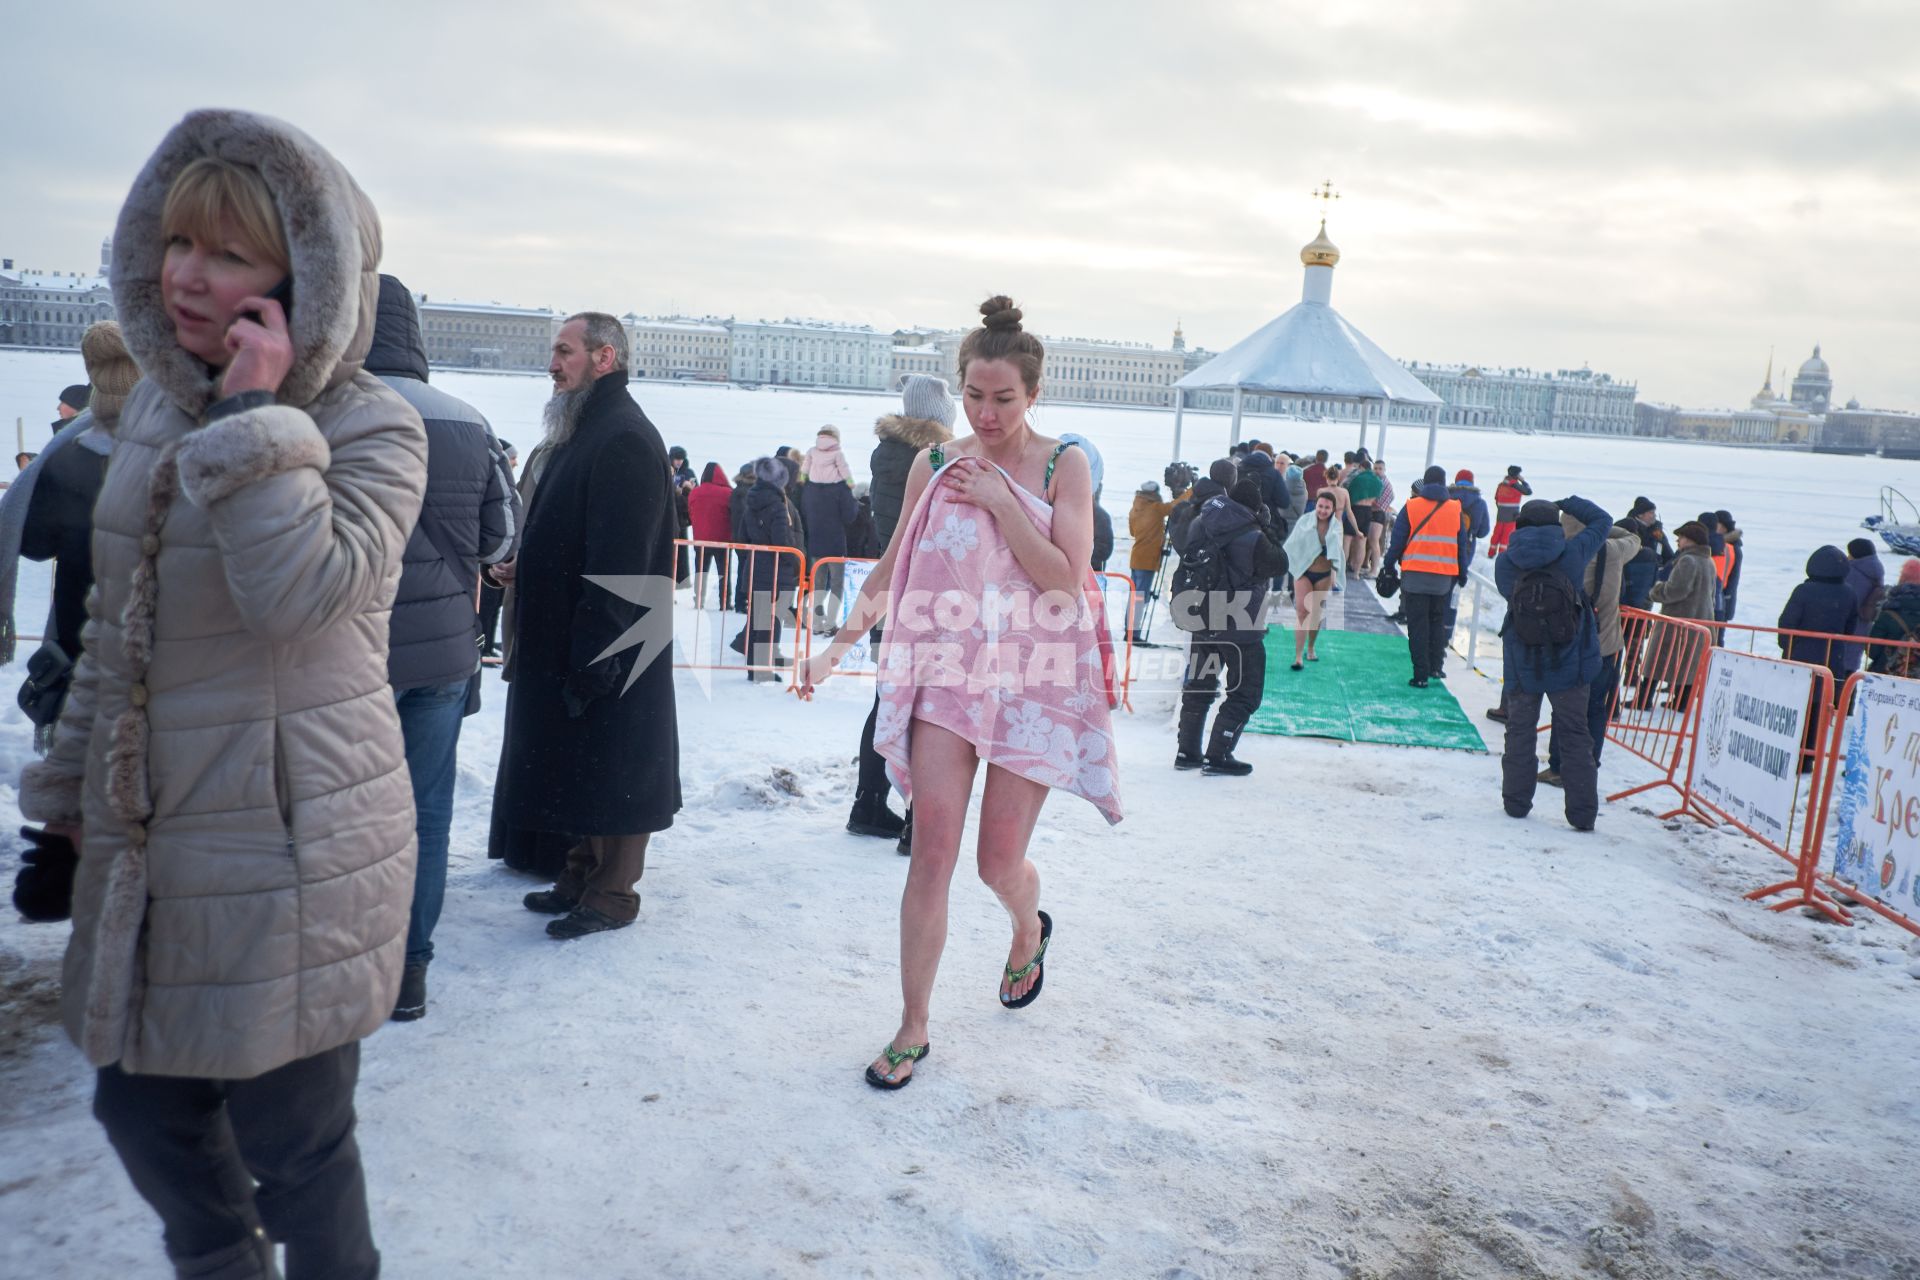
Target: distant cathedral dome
x,y
1320,251
1853,404
1815,367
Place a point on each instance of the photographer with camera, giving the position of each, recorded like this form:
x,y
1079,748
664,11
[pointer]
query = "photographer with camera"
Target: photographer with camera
x,y
1230,552
1147,522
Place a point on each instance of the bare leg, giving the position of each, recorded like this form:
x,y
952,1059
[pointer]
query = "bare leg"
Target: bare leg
x,y
1009,806
942,764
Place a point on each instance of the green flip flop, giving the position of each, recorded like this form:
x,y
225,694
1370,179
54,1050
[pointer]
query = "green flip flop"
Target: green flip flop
x,y
912,1053
1015,977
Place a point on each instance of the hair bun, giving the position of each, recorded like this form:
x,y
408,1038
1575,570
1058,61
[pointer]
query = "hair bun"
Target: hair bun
x,y
1000,314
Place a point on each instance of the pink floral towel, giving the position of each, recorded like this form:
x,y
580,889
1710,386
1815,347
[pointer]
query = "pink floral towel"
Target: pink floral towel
x,y
972,645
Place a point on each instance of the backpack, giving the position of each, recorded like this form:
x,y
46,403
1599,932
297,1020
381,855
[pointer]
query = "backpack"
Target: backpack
x,y
1545,612
1203,570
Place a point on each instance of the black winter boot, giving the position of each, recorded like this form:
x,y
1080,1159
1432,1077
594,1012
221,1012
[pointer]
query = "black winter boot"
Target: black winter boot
x,y
872,817
412,1004
905,847
1187,749
1220,761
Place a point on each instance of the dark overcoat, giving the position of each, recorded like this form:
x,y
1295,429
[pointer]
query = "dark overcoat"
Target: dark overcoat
x,y
580,755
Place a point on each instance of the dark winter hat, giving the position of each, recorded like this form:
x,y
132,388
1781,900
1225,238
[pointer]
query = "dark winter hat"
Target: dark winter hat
x,y
1224,473
677,453
1539,511
1642,505
1725,519
75,397
1860,548
1693,531
772,470
1435,475
1514,470
1463,476
1247,494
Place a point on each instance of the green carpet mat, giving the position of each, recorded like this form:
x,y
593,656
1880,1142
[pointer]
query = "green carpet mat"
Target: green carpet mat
x,y
1358,692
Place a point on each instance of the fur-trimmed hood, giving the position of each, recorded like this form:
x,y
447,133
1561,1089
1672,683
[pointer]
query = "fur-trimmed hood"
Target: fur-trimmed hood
x,y
333,237
916,432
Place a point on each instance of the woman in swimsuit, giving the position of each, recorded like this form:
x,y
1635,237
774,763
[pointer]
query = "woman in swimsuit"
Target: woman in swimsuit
x,y
1314,544
1000,373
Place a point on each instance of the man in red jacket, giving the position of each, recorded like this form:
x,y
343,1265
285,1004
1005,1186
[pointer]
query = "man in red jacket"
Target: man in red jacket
x,y
1507,497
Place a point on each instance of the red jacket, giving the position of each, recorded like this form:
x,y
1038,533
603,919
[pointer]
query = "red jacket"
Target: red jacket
x,y
710,506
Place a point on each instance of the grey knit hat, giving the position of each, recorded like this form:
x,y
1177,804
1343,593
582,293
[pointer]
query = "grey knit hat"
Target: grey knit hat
x,y
922,396
771,470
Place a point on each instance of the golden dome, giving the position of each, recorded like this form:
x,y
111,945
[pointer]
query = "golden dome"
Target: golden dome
x,y
1320,251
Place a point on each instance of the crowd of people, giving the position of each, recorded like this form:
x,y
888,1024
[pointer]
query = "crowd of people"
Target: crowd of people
x,y
281,554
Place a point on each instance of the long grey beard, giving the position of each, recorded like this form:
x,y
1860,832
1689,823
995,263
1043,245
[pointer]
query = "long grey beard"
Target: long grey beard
x,y
562,414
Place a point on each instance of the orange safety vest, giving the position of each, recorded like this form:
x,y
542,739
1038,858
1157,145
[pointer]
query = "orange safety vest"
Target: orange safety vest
x,y
1723,564
1436,547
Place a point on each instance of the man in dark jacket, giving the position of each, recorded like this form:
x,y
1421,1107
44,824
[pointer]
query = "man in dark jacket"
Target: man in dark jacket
x,y
1432,544
1825,604
592,746
684,482
470,517
1540,566
925,418
1222,475
766,520
1472,506
1655,554
1231,641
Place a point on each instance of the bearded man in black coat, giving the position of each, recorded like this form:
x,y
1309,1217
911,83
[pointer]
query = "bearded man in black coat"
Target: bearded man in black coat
x,y
592,749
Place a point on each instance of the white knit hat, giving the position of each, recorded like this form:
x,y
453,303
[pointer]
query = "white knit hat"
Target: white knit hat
x,y
922,396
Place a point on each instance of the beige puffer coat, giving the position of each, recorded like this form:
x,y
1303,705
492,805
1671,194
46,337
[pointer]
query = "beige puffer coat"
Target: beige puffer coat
x,y
230,740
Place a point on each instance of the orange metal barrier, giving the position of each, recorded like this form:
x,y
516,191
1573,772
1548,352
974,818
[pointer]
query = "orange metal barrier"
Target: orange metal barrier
x,y
759,588
1657,651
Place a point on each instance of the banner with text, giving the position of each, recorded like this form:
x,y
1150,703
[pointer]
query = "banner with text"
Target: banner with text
x,y
1748,757
862,656
1878,848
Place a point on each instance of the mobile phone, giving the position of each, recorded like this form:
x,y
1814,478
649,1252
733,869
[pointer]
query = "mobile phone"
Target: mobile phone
x,y
281,293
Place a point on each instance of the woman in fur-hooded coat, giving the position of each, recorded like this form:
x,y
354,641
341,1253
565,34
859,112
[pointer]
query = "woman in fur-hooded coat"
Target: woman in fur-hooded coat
x,y
901,440
230,744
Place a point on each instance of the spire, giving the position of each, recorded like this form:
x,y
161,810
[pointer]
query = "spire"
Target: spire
x,y
1179,338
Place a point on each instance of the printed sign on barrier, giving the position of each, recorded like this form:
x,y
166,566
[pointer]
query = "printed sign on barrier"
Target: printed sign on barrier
x,y
1878,848
861,657
1750,740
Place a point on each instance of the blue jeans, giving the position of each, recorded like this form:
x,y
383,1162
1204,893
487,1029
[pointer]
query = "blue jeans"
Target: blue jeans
x,y
430,723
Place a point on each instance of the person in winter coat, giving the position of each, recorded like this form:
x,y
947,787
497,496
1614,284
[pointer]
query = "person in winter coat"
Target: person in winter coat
x,y
1297,499
926,418
710,506
1898,619
1432,545
863,543
1472,506
1147,522
470,517
1602,587
1825,604
683,483
1689,591
591,749
1648,564
825,464
1736,561
827,507
229,761
1316,557
1260,468
1867,578
1102,536
767,520
1231,645
1507,497
743,480
1544,566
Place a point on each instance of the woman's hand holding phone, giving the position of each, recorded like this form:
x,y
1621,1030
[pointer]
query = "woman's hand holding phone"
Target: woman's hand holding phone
x,y
259,349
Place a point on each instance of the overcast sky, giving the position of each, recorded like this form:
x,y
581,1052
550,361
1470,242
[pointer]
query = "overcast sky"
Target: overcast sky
x,y
1661,190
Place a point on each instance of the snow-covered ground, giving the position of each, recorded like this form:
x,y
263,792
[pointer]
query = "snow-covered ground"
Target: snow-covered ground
x,y
1342,1018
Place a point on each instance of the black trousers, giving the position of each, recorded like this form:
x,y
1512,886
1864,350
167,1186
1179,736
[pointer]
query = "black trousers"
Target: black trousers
x,y
1426,632
196,1148
1520,763
713,564
1242,665
873,765
490,600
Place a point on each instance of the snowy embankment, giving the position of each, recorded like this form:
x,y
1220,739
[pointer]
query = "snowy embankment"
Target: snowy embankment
x,y
1342,1018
